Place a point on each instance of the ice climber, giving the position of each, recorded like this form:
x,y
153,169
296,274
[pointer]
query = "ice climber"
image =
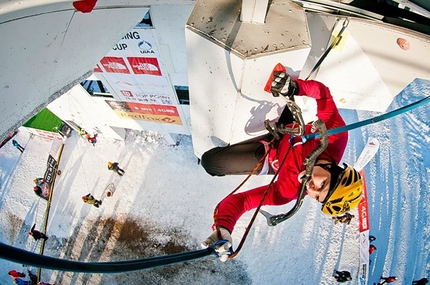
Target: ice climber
x,y
337,188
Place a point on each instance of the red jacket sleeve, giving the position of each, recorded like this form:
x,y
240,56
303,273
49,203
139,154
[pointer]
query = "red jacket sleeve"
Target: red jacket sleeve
x,y
328,112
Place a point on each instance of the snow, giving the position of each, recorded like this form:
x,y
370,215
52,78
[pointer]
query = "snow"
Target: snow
x,y
164,204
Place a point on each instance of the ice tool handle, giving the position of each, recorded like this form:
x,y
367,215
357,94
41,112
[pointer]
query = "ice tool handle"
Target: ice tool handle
x,y
309,161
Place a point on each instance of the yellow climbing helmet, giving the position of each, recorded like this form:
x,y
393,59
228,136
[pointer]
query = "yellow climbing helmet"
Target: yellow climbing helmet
x,y
109,163
346,193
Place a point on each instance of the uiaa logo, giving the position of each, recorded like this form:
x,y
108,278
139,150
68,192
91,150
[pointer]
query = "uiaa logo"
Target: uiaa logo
x,y
145,47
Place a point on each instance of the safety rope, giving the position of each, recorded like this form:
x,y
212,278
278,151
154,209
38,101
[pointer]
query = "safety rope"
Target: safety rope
x,y
334,43
29,258
234,191
373,120
251,222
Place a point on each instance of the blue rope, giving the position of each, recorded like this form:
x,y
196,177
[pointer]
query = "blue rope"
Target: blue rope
x,y
28,258
369,121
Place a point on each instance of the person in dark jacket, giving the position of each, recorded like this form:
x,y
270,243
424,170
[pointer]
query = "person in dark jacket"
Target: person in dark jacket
x,y
33,277
36,234
18,146
342,276
422,281
38,191
89,199
114,166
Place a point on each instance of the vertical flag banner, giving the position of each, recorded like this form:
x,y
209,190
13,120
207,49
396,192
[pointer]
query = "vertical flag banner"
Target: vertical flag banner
x,y
51,165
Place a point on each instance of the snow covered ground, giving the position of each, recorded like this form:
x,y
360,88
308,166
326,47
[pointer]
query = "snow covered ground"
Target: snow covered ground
x,y
164,204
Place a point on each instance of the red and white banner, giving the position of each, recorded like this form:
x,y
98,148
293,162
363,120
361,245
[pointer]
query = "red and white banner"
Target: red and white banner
x,y
134,71
363,216
369,151
161,114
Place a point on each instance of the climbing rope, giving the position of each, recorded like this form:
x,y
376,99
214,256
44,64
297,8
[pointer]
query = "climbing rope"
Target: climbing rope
x,y
251,222
25,257
334,43
373,120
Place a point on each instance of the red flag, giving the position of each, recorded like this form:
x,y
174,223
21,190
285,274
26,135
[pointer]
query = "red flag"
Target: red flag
x,y
85,6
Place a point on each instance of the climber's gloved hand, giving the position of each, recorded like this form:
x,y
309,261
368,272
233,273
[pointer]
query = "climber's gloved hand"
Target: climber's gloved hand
x,y
284,85
223,244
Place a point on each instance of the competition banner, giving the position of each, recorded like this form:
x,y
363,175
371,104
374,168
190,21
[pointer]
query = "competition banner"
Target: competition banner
x,y
49,176
134,71
363,216
162,114
370,150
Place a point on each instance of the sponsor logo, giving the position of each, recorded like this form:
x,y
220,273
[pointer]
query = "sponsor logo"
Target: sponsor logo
x,y
126,93
145,47
114,65
144,65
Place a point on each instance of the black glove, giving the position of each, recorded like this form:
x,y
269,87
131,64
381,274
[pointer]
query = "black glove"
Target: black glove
x,y
282,84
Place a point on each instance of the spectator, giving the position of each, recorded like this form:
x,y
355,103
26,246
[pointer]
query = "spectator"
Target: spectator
x,y
89,199
36,234
33,277
16,274
389,279
18,146
342,276
92,139
38,191
372,248
115,168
